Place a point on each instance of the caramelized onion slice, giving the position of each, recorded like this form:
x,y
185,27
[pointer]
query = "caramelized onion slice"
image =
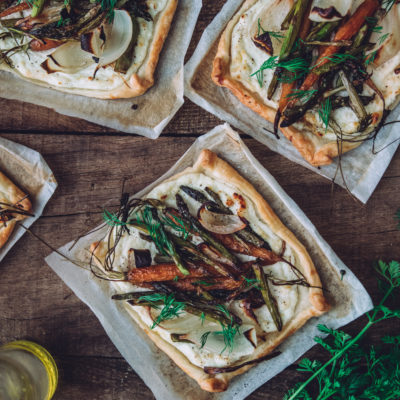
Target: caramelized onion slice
x,y
68,58
178,324
329,10
120,38
223,224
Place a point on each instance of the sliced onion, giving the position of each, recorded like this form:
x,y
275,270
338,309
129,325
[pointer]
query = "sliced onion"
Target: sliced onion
x,y
329,10
120,38
224,224
68,58
179,324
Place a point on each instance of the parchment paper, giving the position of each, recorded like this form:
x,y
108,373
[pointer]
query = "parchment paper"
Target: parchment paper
x,y
348,297
154,109
362,169
28,170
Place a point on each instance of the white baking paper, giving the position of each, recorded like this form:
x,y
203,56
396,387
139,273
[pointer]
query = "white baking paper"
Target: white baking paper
x,y
348,297
28,170
361,168
152,111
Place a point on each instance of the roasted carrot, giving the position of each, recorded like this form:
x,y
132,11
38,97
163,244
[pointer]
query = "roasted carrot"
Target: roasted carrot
x,y
192,284
232,244
44,44
11,10
161,273
287,87
345,32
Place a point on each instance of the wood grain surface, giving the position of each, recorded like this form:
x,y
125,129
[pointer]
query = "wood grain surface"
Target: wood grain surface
x,y
90,163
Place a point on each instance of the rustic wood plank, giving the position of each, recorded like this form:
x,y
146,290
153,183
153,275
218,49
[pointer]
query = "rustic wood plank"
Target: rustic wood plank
x,y
90,162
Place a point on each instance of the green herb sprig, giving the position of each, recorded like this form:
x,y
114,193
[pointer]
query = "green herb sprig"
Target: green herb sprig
x,y
354,373
296,67
276,35
171,309
325,112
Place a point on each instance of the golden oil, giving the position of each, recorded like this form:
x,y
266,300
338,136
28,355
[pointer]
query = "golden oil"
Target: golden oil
x,y
27,372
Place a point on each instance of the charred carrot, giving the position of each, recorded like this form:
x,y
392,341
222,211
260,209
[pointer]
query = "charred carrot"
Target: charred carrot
x,y
11,10
345,32
161,273
192,284
250,250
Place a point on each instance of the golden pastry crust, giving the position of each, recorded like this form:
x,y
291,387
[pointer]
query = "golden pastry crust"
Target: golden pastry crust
x,y
11,194
314,150
313,304
140,81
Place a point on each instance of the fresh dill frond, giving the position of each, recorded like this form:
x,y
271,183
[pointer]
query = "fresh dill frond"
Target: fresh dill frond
x,y
277,35
383,38
177,225
339,58
176,278
108,6
171,307
228,332
202,318
377,29
324,112
304,95
260,29
155,229
112,219
251,282
296,66
372,21
370,58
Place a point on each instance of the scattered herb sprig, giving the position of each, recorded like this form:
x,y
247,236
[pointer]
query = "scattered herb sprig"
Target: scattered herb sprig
x,y
324,112
355,373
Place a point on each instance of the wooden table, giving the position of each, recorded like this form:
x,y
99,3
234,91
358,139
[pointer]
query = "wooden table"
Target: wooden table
x,y
90,163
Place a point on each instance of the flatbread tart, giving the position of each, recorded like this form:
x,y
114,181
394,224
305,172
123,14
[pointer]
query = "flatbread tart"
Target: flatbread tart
x,y
102,49
325,72
210,273
14,206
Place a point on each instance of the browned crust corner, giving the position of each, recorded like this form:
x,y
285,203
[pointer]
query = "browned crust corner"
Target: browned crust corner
x,y
10,193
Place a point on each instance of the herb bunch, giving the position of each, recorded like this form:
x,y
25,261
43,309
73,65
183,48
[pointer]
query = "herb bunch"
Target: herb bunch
x,y
353,372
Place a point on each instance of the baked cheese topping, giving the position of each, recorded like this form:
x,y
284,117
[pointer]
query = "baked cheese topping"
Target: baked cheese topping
x,y
247,58
212,353
28,63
